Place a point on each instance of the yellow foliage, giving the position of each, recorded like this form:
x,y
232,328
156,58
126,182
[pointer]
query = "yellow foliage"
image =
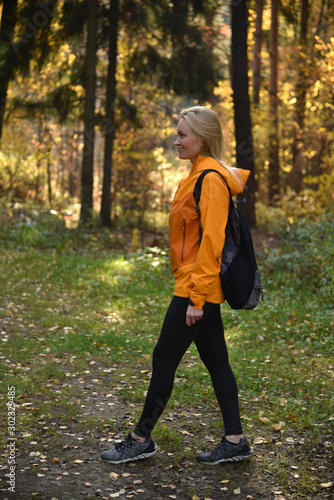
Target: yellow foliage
x,y
135,239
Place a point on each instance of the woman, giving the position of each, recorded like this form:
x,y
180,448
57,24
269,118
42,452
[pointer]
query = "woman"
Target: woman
x,y
194,312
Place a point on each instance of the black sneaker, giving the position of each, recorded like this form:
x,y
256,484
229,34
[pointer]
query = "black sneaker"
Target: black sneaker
x,y
129,450
227,452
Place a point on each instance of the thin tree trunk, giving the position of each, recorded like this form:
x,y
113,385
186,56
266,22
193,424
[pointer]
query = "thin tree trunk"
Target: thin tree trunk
x,y
48,163
87,174
298,159
38,158
257,51
106,203
242,119
319,26
274,167
8,21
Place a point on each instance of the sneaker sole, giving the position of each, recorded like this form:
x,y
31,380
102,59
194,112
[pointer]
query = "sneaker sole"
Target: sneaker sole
x,y
236,458
138,457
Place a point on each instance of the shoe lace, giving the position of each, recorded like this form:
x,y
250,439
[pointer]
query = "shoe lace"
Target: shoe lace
x,y
220,447
127,443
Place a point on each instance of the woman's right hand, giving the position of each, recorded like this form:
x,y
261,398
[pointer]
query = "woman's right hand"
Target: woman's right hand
x,y
193,315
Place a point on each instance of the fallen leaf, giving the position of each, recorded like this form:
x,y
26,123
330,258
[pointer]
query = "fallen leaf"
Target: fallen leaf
x,y
55,460
237,491
77,461
195,497
278,426
113,475
283,401
258,440
326,485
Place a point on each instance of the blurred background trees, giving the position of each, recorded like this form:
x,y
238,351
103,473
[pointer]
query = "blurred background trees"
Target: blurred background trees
x,y
90,93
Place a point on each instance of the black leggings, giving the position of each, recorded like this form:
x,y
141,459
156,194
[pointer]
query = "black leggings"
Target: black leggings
x,y
174,340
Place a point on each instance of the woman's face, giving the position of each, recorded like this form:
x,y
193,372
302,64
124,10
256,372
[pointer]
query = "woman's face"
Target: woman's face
x,y
187,143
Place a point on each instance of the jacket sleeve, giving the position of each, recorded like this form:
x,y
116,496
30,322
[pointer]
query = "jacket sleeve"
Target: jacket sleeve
x,y
214,206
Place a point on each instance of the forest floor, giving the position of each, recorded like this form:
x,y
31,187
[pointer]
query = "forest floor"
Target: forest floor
x,y
58,456
76,353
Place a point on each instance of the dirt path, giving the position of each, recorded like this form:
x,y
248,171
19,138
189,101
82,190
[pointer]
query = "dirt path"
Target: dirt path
x,y
58,458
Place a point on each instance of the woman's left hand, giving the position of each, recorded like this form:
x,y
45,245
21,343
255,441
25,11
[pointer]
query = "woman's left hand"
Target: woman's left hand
x,y
193,315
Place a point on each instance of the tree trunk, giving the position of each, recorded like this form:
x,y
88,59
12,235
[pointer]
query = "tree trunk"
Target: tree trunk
x,y
110,116
298,159
48,163
274,168
257,51
242,119
319,25
8,21
89,115
38,158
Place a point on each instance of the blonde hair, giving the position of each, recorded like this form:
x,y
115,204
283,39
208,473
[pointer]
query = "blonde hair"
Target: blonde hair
x,y
205,123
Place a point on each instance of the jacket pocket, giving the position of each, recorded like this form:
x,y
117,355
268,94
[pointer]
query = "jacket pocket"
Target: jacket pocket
x,y
183,238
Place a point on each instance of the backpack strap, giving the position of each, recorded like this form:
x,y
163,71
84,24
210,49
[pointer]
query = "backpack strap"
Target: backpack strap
x,y
198,187
197,195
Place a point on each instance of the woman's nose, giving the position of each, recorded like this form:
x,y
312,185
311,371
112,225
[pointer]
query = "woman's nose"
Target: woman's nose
x,y
177,142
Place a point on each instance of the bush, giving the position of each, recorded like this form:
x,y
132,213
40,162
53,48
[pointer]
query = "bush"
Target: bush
x,y
306,257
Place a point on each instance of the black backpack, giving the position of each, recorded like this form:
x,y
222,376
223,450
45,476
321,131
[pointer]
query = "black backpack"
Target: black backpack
x,y
240,277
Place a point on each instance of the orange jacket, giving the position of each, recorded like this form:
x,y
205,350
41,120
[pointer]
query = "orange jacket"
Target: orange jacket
x,y
196,268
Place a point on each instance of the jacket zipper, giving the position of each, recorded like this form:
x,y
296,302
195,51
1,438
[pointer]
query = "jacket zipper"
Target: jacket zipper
x,y
184,237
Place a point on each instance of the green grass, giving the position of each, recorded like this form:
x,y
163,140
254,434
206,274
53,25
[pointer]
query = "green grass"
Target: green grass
x,y
75,309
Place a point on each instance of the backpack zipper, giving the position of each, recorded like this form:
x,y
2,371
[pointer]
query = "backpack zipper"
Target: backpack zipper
x,y
184,237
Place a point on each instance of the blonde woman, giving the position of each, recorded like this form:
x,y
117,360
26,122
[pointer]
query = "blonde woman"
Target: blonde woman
x,y
194,312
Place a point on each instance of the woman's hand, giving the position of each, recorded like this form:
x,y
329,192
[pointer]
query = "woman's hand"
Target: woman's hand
x,y
193,315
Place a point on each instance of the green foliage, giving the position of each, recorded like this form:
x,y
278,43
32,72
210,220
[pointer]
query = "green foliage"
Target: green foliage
x,y
270,218
36,229
306,258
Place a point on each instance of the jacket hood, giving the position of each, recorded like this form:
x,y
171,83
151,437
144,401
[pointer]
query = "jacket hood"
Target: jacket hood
x,y
236,178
